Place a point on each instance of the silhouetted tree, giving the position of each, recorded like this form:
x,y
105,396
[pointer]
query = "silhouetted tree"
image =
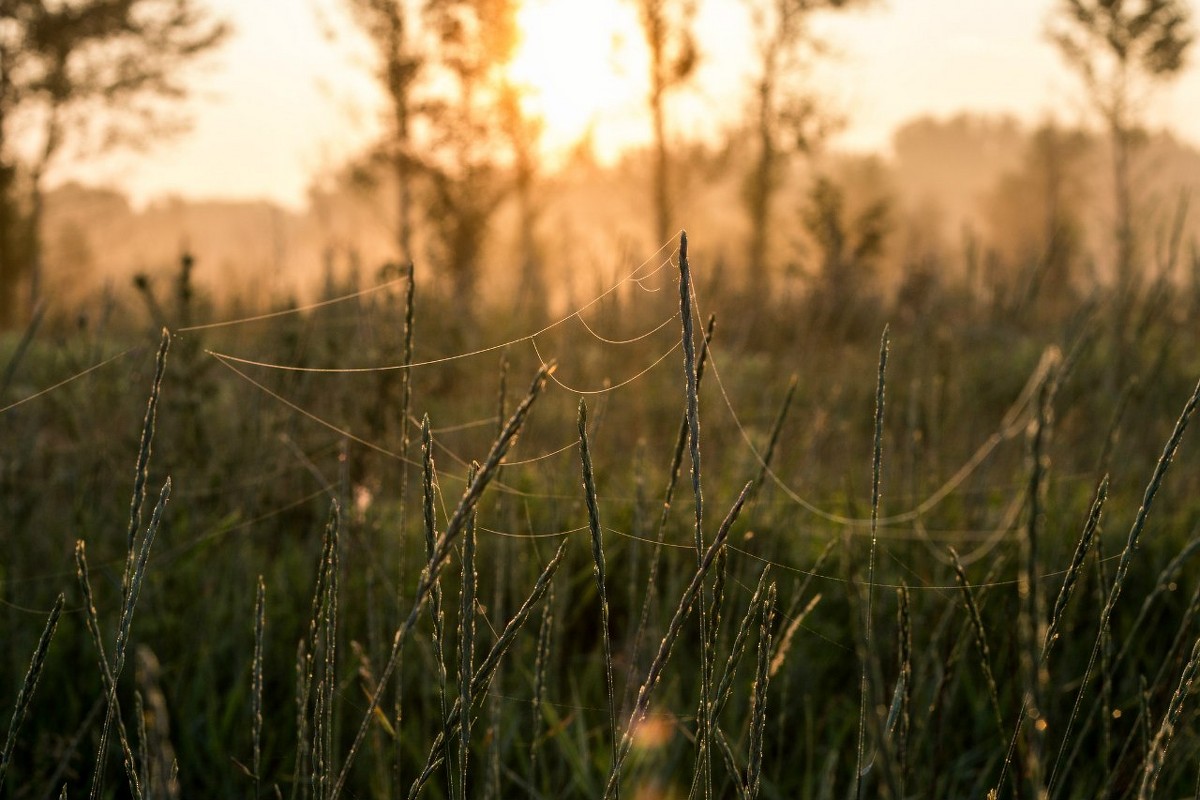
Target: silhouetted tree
x,y
523,133
389,27
1115,46
475,39
788,114
850,247
1034,213
451,134
667,26
89,73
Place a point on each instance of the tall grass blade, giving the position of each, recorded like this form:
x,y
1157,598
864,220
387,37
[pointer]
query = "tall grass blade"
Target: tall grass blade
x,y
256,688
436,612
704,737
776,432
1141,723
904,686
405,435
429,575
487,668
92,620
1076,566
29,685
1050,635
981,645
876,464
598,572
142,469
758,696
681,440
466,644
137,575
1031,625
1162,740
654,674
725,685
1135,533
541,665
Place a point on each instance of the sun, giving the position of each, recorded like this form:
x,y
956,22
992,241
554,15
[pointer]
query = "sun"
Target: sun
x,y
583,66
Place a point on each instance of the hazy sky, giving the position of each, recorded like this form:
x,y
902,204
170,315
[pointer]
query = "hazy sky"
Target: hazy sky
x,y
281,101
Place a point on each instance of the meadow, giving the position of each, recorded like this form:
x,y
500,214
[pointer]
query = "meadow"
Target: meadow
x,y
670,542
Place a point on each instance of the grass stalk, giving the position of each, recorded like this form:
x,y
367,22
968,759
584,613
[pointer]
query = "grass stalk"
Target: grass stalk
x,y
137,575
1076,566
724,689
681,440
141,471
904,685
405,435
1031,624
1135,533
1162,740
703,738
981,645
776,432
29,685
441,552
487,668
466,644
758,696
541,665
659,663
92,621
876,465
598,572
436,612
256,689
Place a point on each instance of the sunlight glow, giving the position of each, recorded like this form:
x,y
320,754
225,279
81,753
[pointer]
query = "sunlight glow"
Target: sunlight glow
x,y
584,67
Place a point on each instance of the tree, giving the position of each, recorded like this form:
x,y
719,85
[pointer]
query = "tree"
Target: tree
x,y
1034,216
475,39
89,73
1118,48
451,129
523,134
850,245
667,26
788,116
388,25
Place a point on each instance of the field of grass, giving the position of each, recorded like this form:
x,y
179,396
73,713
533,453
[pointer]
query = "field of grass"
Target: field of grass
x,y
389,547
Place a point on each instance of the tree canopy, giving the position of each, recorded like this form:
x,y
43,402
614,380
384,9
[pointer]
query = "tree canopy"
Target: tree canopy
x,y
89,73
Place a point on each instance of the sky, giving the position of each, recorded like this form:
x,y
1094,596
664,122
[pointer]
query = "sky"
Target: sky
x,y
284,100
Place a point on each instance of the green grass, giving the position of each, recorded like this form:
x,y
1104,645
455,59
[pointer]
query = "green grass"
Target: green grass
x,y
339,612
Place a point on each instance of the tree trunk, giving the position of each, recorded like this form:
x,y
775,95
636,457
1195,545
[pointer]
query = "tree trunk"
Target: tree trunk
x,y
662,194
399,83
10,262
1127,280
759,195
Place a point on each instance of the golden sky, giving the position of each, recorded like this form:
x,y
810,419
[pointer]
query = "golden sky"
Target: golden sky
x,y
281,102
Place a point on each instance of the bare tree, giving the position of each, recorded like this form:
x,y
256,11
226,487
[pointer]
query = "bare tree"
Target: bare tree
x,y
93,74
667,26
788,115
1118,48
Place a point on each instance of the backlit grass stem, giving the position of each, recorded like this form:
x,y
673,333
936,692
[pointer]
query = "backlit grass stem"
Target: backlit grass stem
x,y
1135,533
598,572
441,552
876,465
29,685
659,663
